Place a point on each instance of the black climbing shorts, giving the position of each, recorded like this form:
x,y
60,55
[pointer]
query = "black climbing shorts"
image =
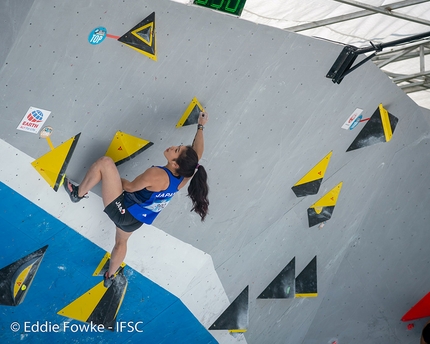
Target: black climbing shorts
x,y
121,216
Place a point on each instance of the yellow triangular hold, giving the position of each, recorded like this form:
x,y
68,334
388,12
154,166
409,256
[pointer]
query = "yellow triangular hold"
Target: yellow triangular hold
x,y
82,307
317,172
104,264
99,305
328,200
311,182
142,37
125,147
52,166
386,125
191,114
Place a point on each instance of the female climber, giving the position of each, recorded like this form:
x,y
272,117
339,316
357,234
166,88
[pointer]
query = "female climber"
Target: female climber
x,y
129,204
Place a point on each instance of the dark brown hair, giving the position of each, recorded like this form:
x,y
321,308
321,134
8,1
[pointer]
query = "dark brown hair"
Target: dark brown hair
x,y
198,189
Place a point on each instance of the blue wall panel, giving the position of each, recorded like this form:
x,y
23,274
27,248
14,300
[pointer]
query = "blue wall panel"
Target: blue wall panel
x,y
65,274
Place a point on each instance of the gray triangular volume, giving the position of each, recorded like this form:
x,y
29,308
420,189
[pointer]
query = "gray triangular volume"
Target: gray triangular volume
x,y
306,281
235,317
307,189
66,162
315,218
283,286
145,34
130,39
373,131
193,118
16,278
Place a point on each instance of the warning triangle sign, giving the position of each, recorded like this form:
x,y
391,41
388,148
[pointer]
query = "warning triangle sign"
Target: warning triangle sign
x,y
322,210
311,182
142,37
17,277
124,147
52,166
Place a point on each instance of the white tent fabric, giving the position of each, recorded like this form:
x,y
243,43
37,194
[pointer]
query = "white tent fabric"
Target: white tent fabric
x,y
377,28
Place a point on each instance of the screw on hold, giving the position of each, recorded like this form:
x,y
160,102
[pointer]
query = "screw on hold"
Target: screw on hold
x,y
321,225
410,326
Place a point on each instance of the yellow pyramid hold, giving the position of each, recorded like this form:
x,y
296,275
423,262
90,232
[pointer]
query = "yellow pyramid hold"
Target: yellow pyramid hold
x,y
191,114
328,200
82,307
317,172
52,166
386,125
125,147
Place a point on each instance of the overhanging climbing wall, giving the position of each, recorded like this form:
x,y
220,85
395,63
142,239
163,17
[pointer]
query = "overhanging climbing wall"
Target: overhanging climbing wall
x,y
273,117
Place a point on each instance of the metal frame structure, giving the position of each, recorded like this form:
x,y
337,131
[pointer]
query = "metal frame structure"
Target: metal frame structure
x,y
418,51
408,82
344,63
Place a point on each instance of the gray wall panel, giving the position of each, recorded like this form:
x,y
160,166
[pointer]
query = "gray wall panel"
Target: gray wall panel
x,y
13,15
273,116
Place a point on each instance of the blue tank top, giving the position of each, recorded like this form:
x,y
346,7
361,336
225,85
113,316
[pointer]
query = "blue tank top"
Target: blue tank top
x,y
145,205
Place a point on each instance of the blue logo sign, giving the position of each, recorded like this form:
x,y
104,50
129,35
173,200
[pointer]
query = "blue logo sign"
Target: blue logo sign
x,y
97,35
355,123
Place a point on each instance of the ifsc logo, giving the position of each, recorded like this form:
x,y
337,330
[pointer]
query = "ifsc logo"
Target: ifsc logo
x,y
97,35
